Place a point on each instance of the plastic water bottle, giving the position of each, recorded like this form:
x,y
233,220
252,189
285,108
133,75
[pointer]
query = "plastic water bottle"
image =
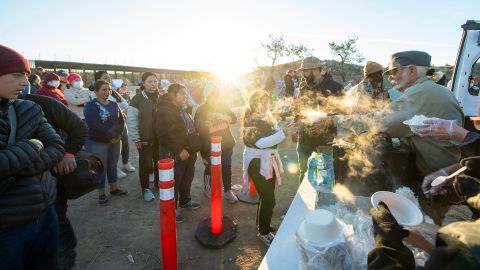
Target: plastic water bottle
x,y
320,172
325,174
312,169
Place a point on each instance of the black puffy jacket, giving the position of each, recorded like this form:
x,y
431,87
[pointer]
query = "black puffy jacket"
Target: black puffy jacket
x,y
170,127
63,120
26,185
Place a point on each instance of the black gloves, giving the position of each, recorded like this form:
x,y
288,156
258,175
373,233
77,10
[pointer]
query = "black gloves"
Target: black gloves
x,y
467,184
473,165
382,215
389,251
385,226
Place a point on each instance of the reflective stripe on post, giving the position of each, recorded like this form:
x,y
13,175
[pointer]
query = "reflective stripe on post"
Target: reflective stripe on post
x,y
167,205
216,160
216,147
165,175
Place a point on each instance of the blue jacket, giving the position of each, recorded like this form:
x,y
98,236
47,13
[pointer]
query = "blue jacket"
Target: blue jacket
x,y
110,127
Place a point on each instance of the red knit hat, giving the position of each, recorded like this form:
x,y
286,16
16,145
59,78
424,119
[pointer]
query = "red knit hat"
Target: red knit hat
x,y
51,77
72,77
12,62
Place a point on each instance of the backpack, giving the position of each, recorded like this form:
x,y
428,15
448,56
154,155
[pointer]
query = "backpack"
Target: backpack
x,y
85,178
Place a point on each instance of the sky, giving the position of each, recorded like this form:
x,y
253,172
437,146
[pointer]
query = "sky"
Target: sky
x,y
225,36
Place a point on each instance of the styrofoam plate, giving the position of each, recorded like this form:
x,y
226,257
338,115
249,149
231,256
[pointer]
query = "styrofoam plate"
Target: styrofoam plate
x,y
403,210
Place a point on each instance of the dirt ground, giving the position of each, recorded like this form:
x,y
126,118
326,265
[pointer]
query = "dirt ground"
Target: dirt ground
x,y
108,235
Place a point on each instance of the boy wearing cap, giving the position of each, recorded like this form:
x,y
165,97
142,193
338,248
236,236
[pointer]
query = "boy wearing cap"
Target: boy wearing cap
x,y
29,148
407,72
62,74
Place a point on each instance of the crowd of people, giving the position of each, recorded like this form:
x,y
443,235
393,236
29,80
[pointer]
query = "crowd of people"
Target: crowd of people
x,y
38,150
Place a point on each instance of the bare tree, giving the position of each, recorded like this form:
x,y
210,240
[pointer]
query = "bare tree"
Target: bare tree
x,y
297,52
275,49
348,53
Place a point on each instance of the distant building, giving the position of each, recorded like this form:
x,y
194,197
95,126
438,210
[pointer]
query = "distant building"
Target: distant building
x,y
130,75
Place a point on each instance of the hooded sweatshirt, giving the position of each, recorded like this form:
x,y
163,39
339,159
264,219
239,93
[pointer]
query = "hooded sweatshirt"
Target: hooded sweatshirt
x,y
76,98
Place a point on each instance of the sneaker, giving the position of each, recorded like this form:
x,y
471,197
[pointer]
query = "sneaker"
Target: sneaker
x,y
102,199
266,238
148,195
118,192
192,205
231,197
128,167
151,178
120,174
178,217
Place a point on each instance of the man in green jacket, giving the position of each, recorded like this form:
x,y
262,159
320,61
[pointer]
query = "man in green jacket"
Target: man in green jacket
x,y
407,72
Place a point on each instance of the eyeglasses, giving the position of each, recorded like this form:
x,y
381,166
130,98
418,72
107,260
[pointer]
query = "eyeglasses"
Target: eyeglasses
x,y
391,72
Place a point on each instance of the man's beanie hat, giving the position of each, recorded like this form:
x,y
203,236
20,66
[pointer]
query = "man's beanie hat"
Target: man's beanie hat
x,y
12,62
51,77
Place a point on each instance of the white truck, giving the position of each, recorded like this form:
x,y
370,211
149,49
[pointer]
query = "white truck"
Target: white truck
x,y
466,74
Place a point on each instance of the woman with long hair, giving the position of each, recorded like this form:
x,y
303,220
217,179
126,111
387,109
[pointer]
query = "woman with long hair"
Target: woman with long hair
x,y
106,125
261,162
175,132
140,123
102,75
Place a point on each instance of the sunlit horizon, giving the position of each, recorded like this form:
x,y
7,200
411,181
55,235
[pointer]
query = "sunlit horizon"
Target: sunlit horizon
x,y
224,37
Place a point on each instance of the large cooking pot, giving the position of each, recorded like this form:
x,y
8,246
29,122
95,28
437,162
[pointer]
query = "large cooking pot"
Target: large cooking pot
x,y
368,163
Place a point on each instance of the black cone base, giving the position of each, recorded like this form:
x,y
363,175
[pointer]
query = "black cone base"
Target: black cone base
x,y
209,240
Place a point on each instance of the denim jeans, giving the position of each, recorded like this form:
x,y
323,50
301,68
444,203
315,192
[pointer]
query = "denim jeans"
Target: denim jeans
x,y
226,169
32,246
125,147
108,154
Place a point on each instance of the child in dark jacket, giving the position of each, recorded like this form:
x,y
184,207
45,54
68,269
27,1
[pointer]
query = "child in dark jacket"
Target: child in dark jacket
x,y
213,118
175,131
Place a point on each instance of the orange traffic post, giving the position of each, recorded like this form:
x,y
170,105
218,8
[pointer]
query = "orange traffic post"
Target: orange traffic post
x,y
216,184
218,230
167,205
